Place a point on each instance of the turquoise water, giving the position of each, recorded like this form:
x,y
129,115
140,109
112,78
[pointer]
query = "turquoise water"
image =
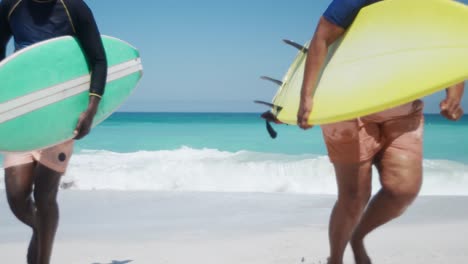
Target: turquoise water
x,y
232,132
221,152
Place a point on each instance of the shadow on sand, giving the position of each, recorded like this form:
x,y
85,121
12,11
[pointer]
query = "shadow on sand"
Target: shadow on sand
x,y
115,262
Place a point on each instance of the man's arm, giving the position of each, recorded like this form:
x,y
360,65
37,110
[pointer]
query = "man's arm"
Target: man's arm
x,y
90,39
5,32
325,34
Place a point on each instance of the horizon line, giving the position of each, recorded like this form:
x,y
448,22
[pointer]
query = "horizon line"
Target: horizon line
x,y
211,112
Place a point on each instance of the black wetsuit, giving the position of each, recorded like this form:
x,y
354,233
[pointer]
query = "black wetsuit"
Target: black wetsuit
x,y
32,21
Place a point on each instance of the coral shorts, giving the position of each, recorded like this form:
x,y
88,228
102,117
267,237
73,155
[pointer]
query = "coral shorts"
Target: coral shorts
x,y
55,157
395,131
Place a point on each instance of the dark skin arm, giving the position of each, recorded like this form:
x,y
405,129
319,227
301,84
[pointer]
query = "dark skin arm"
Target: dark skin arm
x,y
450,107
89,37
88,34
85,120
325,34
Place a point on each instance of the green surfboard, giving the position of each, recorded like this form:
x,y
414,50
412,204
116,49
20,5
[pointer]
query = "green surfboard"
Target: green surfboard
x,y
45,87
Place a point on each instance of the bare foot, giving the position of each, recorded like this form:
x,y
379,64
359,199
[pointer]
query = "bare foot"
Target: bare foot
x,y
360,254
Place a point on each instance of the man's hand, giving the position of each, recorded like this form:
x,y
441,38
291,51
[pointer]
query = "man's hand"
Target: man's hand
x,y
450,107
85,120
305,108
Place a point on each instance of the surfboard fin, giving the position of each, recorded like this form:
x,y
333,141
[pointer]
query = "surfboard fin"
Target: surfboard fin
x,y
276,107
273,134
266,78
269,117
296,45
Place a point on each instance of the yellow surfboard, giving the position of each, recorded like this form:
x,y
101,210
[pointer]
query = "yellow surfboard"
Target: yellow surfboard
x,y
395,51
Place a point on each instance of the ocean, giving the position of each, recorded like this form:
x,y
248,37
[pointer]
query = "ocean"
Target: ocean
x,y
232,152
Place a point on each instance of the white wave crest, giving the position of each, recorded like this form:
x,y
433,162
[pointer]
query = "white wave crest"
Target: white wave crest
x,y
212,170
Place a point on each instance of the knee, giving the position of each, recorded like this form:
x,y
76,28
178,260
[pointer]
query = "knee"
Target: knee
x,y
404,191
17,201
401,176
354,202
45,200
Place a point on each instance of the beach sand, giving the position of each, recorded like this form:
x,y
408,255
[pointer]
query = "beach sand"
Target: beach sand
x,y
101,227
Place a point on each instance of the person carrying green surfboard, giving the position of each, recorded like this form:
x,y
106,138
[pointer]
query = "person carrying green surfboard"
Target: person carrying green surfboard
x,y
38,173
391,140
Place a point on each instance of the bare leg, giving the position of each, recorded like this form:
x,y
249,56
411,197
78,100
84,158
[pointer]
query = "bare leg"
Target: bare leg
x,y
19,183
354,189
401,179
45,194
42,213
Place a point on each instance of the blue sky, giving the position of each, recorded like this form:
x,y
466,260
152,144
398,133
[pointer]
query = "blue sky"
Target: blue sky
x,y
207,55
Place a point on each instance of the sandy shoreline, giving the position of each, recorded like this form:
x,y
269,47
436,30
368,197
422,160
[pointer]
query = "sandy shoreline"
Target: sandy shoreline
x,y
156,227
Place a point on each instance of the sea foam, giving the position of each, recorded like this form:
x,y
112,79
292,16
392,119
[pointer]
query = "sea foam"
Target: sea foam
x,y
210,170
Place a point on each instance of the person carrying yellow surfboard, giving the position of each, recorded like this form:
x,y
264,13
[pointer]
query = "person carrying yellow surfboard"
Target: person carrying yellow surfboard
x,y
391,140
